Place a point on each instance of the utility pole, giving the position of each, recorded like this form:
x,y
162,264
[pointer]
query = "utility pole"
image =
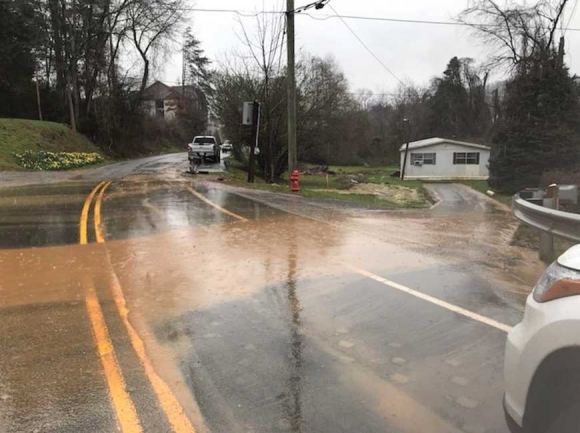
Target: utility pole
x,y
38,95
73,123
183,70
561,52
292,158
406,122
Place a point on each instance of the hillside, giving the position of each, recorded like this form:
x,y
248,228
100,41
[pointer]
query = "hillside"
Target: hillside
x,y
19,135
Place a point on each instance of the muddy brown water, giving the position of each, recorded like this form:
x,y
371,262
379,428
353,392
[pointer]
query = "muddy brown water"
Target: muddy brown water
x,y
260,325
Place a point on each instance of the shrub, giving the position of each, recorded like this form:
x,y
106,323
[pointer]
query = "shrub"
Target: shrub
x,y
56,160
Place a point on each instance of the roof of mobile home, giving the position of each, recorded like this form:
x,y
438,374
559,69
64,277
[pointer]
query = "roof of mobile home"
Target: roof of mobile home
x,y
435,141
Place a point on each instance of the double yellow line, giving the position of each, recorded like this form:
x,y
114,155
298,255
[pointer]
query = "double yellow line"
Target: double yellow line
x,y
125,410
83,238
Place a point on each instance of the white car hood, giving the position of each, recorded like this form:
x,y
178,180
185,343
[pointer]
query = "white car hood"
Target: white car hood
x,y
571,258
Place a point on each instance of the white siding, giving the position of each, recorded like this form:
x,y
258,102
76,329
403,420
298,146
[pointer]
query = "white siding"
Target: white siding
x,y
170,109
149,107
444,169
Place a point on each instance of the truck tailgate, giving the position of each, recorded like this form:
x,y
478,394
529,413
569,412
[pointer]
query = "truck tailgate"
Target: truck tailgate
x,y
201,148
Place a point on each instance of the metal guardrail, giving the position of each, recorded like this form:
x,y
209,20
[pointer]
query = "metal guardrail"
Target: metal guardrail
x,y
551,222
555,222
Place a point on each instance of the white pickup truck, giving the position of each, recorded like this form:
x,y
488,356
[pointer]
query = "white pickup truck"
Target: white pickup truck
x,y
204,146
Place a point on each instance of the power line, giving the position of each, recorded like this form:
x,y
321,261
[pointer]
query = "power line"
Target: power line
x,y
367,48
394,20
372,94
249,14
245,14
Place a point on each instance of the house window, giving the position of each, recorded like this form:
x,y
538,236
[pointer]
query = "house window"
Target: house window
x,y
159,108
466,158
423,158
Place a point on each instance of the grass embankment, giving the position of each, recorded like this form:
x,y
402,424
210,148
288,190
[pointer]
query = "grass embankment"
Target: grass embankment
x,y
21,136
369,186
483,187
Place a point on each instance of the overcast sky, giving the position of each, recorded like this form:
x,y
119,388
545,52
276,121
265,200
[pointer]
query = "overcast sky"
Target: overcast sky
x,y
414,52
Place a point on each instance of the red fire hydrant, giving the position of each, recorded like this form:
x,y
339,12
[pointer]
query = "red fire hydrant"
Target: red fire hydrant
x,y
294,185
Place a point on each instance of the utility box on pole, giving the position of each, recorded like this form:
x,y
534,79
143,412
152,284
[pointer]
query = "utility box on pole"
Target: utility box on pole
x,y
248,114
251,117
254,142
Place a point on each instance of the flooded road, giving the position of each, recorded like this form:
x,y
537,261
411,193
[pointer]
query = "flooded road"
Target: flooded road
x,y
146,300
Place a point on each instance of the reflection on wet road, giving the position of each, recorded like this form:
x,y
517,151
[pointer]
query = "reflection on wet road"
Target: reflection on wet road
x,y
40,216
244,312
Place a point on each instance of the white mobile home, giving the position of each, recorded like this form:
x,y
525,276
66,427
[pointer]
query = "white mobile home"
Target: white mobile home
x,y
443,159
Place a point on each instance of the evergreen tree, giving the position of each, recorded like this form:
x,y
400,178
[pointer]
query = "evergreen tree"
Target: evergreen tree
x,y
450,103
19,37
540,125
196,64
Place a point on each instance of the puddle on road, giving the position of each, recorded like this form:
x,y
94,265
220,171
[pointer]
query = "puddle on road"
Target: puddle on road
x,y
36,216
206,264
229,302
197,267
36,276
182,282
480,240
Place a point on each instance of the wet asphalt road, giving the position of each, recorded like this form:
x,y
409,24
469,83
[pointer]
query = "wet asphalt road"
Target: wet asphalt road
x,y
198,307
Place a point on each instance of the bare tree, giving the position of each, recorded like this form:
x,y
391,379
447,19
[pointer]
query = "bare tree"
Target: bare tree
x,y
514,31
152,23
323,104
264,61
117,26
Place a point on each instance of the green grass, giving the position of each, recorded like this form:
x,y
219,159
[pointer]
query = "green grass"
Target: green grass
x,y
366,199
483,187
378,175
386,179
19,135
355,169
321,182
328,187
167,148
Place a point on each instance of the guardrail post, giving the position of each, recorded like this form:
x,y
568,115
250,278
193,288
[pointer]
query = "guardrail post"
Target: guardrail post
x,y
546,247
547,239
540,210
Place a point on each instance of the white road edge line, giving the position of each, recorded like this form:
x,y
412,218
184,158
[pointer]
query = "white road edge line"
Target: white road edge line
x,y
439,302
211,203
